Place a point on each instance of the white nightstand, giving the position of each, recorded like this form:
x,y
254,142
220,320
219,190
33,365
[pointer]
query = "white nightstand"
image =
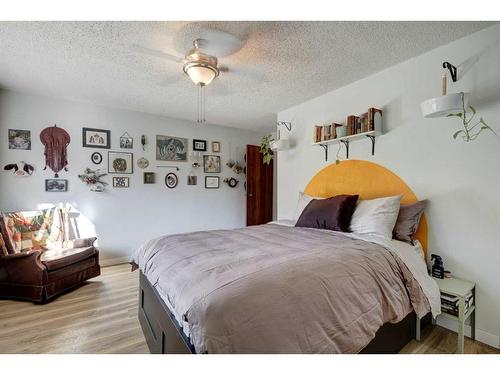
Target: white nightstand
x,y
460,289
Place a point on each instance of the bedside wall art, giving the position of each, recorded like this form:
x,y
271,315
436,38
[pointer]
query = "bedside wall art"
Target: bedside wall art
x,y
92,178
120,162
55,185
96,158
20,169
126,141
96,138
211,182
56,141
149,177
215,146
199,145
211,164
19,139
171,180
142,163
171,148
121,182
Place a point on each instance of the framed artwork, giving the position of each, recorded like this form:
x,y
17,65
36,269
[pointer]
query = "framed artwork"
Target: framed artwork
x,y
143,163
121,182
171,148
55,185
171,180
215,146
211,164
120,162
149,177
19,139
199,145
97,138
96,158
211,182
126,141
192,180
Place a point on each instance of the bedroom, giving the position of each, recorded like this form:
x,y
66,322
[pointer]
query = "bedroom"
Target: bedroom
x,y
275,186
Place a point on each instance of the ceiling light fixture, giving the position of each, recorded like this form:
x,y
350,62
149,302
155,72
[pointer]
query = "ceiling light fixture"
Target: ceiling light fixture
x,y
202,69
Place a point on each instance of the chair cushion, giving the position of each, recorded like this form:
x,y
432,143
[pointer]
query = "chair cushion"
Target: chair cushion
x,y
55,259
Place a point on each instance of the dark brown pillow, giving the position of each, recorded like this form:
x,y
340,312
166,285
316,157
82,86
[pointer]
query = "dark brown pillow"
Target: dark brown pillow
x,y
408,220
333,213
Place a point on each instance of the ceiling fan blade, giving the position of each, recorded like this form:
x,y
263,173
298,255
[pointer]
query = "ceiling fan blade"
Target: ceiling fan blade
x,y
212,41
156,53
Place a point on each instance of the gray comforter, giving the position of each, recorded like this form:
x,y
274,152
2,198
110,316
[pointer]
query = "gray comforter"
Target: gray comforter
x,y
277,289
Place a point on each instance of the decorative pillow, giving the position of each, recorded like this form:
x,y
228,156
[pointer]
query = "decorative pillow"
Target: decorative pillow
x,y
302,203
408,220
331,213
376,216
28,230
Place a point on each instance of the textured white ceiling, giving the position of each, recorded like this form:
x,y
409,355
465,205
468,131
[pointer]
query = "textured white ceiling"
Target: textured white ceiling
x,y
280,64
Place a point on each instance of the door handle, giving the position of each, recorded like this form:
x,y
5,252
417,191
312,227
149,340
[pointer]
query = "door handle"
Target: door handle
x,y
250,195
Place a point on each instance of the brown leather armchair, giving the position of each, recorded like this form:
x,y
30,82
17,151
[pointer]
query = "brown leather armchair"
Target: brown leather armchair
x,y
40,275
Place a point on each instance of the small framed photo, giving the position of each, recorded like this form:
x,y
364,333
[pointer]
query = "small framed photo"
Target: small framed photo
x,y
215,146
121,182
54,185
96,158
211,164
19,139
126,141
96,138
120,162
192,180
211,182
149,177
171,180
199,145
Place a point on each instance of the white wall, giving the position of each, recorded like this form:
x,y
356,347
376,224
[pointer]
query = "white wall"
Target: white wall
x,y
123,218
462,181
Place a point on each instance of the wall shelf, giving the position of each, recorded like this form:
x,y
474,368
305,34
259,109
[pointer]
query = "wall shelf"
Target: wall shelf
x,y
347,140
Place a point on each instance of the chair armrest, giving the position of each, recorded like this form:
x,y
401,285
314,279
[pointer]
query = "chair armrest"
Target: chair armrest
x,y
25,268
81,242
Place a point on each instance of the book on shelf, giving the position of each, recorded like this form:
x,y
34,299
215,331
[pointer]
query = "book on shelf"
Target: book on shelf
x,y
374,118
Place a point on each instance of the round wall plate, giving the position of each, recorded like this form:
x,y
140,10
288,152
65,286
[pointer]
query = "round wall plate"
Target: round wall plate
x,y
232,182
171,180
96,158
142,163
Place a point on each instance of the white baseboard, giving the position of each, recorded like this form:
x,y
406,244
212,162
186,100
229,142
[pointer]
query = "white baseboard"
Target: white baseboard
x,y
483,336
113,261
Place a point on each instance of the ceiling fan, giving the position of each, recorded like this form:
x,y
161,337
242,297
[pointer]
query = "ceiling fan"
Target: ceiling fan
x,y
200,62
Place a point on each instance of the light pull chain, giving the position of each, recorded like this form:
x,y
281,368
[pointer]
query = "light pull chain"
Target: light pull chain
x,y
201,104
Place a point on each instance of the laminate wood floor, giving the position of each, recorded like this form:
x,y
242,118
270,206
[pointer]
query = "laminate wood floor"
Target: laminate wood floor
x,y
101,317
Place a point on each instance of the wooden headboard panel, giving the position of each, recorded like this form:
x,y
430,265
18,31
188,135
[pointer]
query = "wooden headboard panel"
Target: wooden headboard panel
x,y
367,179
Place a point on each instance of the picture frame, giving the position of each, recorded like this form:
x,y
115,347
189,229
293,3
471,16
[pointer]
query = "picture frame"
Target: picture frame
x,y
121,182
96,138
56,185
126,141
212,182
120,162
96,158
211,164
170,148
199,145
171,180
215,146
149,177
192,180
19,139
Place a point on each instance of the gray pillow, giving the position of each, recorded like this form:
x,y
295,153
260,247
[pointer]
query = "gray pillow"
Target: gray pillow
x,y
408,220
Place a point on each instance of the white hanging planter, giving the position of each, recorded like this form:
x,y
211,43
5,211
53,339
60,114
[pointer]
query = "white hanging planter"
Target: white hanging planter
x,y
279,145
442,105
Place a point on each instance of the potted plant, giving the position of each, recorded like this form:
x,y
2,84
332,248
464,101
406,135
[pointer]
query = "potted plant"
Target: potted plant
x,y
265,149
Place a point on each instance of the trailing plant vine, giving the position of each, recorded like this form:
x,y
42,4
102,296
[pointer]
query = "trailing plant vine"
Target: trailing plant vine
x,y
265,149
468,133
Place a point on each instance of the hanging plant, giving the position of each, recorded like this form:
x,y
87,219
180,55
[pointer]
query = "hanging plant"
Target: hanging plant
x,y
470,130
265,149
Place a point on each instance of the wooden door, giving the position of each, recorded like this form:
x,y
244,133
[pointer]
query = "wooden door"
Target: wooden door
x,y
259,186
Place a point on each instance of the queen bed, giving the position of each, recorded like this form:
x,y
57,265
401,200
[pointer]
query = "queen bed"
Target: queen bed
x,y
278,288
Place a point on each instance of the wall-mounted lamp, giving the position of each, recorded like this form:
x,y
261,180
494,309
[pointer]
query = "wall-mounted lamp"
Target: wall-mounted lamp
x,y
446,103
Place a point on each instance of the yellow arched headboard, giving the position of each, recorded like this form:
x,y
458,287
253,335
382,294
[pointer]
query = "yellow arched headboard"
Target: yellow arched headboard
x,y
369,181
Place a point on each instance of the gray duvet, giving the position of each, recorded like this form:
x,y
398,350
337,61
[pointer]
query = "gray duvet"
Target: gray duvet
x,y
277,289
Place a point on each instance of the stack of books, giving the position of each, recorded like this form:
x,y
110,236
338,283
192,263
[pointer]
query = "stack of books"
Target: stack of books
x,y
449,303
325,132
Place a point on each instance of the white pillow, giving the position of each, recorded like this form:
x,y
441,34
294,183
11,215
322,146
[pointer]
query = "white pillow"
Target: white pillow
x,y
303,201
376,216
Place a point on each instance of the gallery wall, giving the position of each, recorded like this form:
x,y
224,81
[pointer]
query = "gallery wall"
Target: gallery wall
x,y
461,180
122,218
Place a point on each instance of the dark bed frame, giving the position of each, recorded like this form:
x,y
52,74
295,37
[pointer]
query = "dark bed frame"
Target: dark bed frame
x,y
164,335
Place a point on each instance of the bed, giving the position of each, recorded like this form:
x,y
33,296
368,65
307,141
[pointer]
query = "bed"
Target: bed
x,y
276,288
